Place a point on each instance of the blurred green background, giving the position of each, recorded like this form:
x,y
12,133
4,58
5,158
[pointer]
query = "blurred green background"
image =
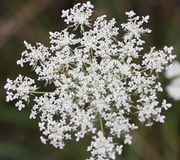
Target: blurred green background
x,y
31,20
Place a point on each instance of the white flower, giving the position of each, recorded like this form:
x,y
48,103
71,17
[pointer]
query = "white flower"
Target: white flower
x,y
19,89
130,14
128,139
99,82
134,28
157,60
34,55
79,14
61,39
166,105
103,148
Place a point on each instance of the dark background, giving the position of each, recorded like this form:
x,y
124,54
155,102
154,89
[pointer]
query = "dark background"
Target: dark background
x,y
31,20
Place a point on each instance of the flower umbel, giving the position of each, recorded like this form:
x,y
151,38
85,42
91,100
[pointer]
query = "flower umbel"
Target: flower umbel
x,y
20,89
78,15
99,81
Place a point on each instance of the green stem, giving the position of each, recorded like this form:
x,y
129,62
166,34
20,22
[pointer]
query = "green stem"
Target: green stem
x,y
133,106
39,92
144,70
101,124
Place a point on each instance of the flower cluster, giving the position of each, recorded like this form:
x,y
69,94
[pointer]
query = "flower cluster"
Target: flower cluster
x,y
20,89
173,88
103,148
78,15
103,86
